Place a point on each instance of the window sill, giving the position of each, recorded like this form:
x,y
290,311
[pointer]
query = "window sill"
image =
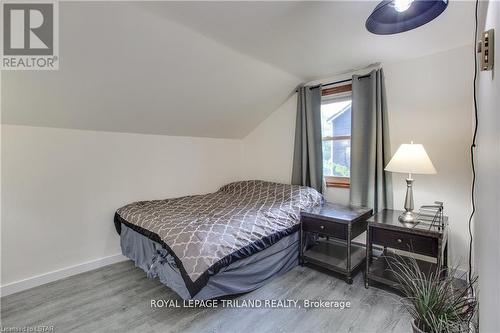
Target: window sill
x,y
338,185
338,182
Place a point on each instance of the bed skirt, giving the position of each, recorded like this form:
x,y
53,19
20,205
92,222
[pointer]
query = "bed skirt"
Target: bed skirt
x,y
241,276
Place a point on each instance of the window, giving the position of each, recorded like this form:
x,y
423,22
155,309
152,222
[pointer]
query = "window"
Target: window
x,y
336,131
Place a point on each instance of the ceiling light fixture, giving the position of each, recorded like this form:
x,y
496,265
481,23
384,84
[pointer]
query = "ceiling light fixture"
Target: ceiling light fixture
x,y
402,5
395,16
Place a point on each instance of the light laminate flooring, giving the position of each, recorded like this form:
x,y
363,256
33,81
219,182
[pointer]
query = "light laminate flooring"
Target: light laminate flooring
x,y
117,298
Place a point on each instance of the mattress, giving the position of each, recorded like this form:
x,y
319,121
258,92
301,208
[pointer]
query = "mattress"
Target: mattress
x,y
205,233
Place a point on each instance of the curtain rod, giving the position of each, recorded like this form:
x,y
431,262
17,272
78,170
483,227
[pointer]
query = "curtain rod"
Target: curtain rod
x,y
337,82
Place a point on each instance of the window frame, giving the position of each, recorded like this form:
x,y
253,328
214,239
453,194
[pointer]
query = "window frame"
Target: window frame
x,y
342,91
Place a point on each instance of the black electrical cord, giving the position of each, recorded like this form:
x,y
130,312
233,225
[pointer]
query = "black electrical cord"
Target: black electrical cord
x,y
473,145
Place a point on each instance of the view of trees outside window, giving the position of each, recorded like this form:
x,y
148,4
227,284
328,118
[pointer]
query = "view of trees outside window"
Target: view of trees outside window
x,y
336,132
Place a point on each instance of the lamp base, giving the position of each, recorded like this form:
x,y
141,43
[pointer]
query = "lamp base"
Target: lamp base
x,y
408,217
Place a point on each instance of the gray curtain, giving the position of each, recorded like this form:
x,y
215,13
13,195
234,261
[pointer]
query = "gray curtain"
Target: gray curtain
x,y
308,154
370,148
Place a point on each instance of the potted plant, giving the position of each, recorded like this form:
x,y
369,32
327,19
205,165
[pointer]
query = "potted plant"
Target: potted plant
x,y
437,301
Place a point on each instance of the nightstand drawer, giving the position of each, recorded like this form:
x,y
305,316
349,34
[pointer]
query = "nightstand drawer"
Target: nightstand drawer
x,y
336,230
405,241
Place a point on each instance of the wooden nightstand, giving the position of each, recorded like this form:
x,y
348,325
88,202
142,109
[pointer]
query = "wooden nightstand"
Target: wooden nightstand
x,y
385,230
326,236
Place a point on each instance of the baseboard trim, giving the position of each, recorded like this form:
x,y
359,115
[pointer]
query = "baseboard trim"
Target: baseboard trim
x,y
38,280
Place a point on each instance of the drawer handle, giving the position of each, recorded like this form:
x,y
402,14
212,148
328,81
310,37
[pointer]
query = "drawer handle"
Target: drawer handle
x,y
400,240
322,227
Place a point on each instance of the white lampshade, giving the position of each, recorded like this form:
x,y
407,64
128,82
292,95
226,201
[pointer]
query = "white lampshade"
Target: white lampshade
x,y
411,158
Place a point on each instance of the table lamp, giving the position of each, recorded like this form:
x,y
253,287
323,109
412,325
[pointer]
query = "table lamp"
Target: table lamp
x,y
412,159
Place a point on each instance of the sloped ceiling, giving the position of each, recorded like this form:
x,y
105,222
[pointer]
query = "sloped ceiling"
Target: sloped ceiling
x,y
209,69
316,39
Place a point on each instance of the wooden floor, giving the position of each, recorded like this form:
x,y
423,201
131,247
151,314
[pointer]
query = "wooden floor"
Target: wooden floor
x,y
117,298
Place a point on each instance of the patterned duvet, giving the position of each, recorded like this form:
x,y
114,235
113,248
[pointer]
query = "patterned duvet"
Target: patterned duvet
x,y
207,232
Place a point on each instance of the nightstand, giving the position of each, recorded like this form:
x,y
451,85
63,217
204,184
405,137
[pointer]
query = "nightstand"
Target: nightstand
x,y
326,236
386,232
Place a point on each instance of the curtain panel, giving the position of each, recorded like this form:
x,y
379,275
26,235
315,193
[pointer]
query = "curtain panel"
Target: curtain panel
x,y
308,152
371,186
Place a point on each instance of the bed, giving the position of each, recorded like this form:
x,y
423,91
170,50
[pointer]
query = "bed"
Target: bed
x,y
222,243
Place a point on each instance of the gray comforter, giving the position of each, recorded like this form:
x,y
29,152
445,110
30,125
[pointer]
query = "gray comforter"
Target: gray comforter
x,y
241,217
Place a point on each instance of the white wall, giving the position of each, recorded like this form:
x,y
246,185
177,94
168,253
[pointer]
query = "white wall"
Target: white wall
x,y
268,149
486,222
429,101
61,188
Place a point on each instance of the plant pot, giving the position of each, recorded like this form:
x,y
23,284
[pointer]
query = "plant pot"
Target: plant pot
x,y
415,328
